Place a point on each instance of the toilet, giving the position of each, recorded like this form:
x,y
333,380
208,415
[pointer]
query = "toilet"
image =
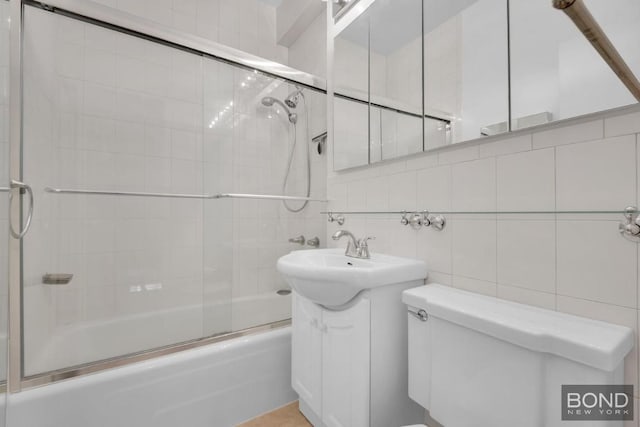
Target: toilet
x,y
479,361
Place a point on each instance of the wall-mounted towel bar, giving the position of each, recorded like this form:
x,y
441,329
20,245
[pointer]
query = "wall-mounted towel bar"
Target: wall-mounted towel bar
x,y
180,195
125,193
263,197
629,228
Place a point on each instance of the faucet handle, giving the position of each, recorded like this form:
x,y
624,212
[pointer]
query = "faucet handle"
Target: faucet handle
x,y
363,248
363,242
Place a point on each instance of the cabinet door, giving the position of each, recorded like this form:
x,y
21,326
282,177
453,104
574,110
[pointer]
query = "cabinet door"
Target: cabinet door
x,y
345,366
306,348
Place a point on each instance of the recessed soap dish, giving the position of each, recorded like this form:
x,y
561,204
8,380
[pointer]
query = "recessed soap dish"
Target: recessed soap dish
x,y
57,278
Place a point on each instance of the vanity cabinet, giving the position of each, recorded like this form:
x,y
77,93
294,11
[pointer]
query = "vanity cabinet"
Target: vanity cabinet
x,y
330,361
306,352
349,366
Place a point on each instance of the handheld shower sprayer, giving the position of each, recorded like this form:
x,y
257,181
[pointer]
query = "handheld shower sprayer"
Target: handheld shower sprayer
x,y
268,101
291,101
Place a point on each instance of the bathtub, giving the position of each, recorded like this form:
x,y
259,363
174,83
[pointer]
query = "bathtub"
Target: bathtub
x,y
216,385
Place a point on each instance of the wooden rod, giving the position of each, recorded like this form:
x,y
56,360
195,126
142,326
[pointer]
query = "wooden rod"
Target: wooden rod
x,y
582,18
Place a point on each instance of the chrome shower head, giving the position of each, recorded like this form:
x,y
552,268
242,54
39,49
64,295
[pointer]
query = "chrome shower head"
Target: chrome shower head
x,y
293,98
268,101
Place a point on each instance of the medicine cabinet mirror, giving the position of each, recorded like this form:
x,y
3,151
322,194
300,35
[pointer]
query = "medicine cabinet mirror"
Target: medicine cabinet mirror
x,y
418,75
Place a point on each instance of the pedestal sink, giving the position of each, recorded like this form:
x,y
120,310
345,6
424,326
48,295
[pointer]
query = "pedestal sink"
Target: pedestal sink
x,y
329,278
349,337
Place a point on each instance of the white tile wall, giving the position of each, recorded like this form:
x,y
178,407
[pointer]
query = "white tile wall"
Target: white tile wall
x,y
569,134
580,185
574,263
248,25
475,249
473,185
527,254
526,181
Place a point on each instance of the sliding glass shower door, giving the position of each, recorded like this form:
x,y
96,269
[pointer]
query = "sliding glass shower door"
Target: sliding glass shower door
x,y
114,273
135,149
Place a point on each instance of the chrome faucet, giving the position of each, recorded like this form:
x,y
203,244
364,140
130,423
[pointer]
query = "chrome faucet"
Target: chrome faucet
x,y
355,248
299,240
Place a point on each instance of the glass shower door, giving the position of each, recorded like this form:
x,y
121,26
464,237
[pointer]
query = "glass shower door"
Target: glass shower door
x,y
113,263
149,165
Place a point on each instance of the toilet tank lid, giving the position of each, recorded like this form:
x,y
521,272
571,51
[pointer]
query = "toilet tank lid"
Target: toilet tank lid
x,y
594,343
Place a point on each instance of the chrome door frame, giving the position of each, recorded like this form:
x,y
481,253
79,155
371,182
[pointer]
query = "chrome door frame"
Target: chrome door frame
x,y
122,21
14,336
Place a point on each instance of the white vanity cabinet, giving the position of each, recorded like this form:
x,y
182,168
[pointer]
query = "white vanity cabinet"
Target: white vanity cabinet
x,y
349,366
306,352
345,366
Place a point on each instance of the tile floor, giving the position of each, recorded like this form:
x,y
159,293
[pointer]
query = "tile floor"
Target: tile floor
x,y
287,416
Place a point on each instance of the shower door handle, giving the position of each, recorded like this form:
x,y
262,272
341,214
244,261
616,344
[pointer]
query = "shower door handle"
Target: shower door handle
x,y
24,227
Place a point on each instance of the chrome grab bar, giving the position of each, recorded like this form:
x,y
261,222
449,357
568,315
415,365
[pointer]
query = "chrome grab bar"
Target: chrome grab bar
x,y
25,227
179,195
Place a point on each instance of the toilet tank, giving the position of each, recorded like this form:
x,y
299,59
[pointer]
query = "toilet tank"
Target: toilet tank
x,y
481,361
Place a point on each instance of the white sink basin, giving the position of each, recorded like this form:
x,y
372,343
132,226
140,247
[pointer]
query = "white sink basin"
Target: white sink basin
x,y
329,278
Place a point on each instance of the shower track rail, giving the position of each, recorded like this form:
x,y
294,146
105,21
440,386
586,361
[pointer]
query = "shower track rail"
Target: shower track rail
x,y
181,196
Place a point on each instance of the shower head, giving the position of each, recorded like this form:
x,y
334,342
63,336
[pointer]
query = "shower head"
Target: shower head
x,y
293,98
268,101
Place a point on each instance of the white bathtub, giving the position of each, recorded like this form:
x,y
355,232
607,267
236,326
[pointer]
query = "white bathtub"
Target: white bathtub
x,y
218,385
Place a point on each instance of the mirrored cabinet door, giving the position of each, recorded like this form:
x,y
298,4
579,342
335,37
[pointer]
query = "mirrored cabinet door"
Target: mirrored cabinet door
x,y
395,75
465,70
436,73
351,99
378,60
350,133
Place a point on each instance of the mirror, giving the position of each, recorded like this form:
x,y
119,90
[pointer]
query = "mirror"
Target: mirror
x,y
378,61
556,73
430,73
351,99
395,78
465,70
351,129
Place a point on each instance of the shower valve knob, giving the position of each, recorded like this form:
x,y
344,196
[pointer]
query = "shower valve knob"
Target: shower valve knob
x,y
336,218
